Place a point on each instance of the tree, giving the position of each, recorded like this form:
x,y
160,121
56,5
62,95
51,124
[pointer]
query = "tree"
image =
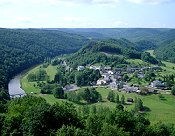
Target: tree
x,y
37,120
125,77
120,107
73,96
93,124
72,131
111,96
90,95
173,90
117,99
58,92
138,105
111,130
123,99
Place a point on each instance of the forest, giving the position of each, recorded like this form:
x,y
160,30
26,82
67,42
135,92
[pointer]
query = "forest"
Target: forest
x,y
21,49
34,116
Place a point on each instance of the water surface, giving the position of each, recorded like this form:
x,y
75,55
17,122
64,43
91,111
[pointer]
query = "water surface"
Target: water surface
x,y
14,87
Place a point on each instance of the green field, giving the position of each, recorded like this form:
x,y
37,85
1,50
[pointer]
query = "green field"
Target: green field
x,y
169,68
137,62
151,52
29,86
160,110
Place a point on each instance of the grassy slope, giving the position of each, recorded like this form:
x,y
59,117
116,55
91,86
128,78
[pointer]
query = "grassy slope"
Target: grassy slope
x,y
29,86
169,67
161,110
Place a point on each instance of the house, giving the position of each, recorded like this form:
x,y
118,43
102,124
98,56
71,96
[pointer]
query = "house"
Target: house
x,y
157,84
132,70
70,87
113,85
130,89
155,68
140,75
95,67
119,70
80,68
130,100
110,72
107,79
152,91
101,82
107,68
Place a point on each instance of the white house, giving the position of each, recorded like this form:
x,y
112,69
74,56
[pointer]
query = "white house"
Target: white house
x,y
110,72
101,82
80,68
156,83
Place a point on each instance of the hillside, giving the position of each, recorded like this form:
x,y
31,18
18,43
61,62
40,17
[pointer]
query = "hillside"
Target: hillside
x,y
21,49
157,35
166,51
106,52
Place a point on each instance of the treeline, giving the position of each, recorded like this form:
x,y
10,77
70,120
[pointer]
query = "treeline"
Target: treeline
x,y
21,49
34,116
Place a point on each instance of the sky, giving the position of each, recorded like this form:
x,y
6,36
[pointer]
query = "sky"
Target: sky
x,y
87,13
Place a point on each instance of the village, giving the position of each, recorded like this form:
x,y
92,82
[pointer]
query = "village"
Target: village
x,y
114,79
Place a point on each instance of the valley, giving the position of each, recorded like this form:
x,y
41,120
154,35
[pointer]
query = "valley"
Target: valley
x,y
121,85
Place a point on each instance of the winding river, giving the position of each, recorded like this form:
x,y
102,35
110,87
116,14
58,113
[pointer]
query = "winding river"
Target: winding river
x,y
14,87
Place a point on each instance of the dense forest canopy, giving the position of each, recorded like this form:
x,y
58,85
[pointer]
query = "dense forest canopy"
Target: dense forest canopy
x,y
166,51
34,116
21,49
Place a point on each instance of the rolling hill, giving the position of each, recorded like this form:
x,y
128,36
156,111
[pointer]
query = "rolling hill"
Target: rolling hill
x,y
110,52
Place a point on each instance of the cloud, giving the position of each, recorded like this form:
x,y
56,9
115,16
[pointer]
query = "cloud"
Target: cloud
x,y
75,2
107,2
24,20
120,24
151,1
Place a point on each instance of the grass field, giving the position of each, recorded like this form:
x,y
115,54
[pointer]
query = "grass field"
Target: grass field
x,y
160,110
29,86
137,62
169,68
151,52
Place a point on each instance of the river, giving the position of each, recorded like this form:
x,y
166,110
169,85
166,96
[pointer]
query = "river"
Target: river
x,y
14,87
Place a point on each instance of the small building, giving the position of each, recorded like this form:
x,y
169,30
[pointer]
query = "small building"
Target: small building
x,y
95,67
140,75
71,87
113,85
129,89
107,79
155,68
80,68
101,82
107,68
157,84
110,72
130,100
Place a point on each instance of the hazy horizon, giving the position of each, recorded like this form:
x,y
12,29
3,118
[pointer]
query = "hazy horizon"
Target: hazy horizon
x,y
87,13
